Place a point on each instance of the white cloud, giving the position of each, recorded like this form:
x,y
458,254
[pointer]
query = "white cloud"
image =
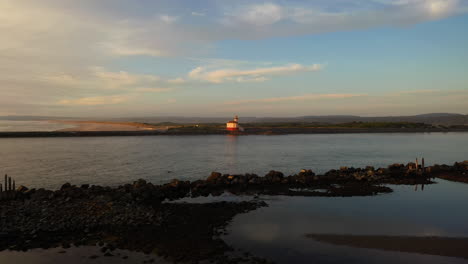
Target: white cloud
x,y
259,74
257,14
168,19
198,14
137,51
305,97
97,100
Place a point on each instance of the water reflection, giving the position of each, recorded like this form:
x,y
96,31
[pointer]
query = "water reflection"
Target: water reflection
x,y
231,153
278,231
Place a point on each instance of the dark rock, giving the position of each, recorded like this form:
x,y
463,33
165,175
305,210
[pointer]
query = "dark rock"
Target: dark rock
x,y
214,176
274,176
22,189
65,186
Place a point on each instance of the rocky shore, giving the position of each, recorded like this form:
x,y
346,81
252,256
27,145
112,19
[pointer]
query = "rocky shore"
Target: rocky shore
x,y
138,216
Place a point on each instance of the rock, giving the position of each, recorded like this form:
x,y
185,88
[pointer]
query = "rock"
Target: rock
x,y
214,176
140,183
274,176
65,186
396,166
22,189
304,172
174,183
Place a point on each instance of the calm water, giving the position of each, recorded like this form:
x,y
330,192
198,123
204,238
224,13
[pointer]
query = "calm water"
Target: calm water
x,y
49,162
278,231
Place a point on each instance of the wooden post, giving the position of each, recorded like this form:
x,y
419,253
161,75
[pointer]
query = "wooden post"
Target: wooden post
x,y
1,192
9,183
417,166
14,186
6,184
422,163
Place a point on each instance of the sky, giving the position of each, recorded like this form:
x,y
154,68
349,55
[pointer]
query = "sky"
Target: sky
x,y
124,58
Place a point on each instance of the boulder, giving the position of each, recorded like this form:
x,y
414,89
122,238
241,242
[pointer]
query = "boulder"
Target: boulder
x,y
274,176
306,173
22,189
65,186
140,183
214,176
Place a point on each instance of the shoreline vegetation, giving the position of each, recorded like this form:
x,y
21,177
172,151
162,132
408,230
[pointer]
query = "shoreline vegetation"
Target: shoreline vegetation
x,y
148,218
107,128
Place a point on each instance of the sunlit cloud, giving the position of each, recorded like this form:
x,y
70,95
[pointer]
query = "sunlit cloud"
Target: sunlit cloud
x,y
152,90
259,74
305,97
168,19
177,81
97,100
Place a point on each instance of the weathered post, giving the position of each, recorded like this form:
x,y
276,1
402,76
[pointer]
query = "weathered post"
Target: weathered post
x,y
6,185
417,166
9,183
1,192
14,186
422,163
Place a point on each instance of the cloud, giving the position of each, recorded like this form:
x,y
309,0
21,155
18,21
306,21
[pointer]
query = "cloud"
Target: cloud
x,y
128,51
428,92
168,19
97,100
122,78
305,97
61,79
259,74
48,48
198,14
153,90
257,14
177,81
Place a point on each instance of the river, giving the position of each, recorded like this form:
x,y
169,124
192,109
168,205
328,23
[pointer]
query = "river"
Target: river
x,y
50,162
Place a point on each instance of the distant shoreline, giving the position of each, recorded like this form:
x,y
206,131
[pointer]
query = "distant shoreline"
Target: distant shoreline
x,y
252,131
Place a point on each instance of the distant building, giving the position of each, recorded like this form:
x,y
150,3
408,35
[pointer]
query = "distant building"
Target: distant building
x,y
234,125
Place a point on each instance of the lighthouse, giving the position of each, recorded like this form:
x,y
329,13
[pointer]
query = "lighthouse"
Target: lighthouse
x,y
233,125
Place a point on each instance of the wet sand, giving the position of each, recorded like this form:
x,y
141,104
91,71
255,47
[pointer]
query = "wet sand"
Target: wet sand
x,y
441,246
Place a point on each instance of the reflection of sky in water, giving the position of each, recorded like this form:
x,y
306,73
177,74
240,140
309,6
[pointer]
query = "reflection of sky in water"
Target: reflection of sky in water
x,y
278,231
